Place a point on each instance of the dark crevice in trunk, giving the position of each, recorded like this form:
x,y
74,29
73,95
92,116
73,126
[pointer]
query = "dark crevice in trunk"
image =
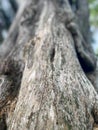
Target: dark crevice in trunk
x,y
52,55
3,125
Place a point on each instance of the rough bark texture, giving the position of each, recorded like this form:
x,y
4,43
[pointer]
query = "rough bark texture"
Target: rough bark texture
x,y
42,84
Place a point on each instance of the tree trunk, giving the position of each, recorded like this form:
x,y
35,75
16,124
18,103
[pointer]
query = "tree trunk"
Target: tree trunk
x,y
42,83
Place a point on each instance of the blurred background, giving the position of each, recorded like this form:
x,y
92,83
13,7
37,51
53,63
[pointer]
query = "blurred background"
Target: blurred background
x,y
8,9
93,6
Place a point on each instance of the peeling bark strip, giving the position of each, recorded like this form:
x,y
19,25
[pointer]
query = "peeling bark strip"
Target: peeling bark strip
x,y
54,92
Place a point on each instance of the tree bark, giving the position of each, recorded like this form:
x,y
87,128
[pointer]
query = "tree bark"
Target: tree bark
x,y
42,83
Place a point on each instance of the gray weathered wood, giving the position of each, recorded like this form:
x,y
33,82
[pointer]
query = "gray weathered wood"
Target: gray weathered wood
x,y
50,90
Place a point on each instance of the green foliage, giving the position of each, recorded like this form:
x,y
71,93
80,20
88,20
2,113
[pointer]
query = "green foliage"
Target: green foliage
x,y
96,52
93,6
91,1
